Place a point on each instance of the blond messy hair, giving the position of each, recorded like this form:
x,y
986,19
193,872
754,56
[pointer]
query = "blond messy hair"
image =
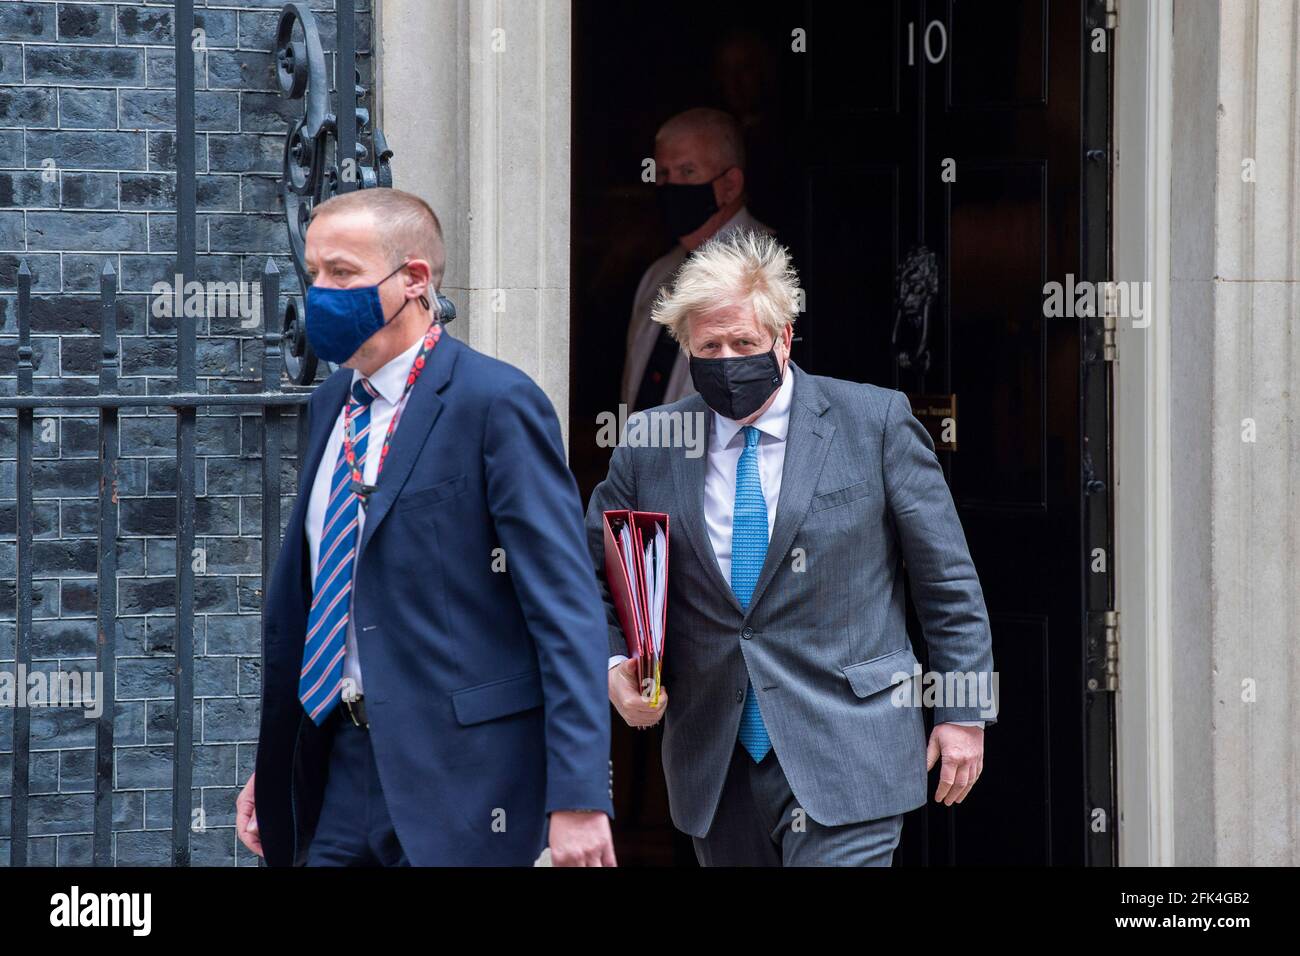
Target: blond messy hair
x,y
406,224
741,268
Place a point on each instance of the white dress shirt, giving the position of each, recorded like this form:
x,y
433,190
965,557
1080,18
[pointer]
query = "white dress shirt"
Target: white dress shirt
x,y
389,381
726,442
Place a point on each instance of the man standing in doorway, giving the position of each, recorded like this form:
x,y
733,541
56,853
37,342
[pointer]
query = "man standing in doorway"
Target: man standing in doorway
x,y
794,735
700,187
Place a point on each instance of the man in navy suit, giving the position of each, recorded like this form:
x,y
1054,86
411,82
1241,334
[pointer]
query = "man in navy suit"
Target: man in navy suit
x,y
434,670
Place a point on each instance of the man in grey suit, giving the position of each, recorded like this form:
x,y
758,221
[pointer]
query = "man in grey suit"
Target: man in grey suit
x,y
795,735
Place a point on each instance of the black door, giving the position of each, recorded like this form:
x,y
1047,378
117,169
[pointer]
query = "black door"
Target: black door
x,y
960,126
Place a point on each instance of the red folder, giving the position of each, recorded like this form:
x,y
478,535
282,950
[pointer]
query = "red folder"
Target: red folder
x,y
629,587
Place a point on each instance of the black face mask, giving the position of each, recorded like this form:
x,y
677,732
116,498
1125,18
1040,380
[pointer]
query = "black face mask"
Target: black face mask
x,y
687,206
737,386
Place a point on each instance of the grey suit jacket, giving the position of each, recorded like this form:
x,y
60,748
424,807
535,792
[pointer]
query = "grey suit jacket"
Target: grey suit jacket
x,y
824,640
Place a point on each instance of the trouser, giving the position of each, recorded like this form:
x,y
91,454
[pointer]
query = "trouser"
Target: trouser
x,y
760,823
354,827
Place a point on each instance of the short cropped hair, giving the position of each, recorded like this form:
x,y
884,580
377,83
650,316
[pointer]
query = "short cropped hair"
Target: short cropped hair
x,y
406,224
732,270
718,128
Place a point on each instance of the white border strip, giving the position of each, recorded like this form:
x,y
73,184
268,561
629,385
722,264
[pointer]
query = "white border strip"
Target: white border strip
x,y
1143,99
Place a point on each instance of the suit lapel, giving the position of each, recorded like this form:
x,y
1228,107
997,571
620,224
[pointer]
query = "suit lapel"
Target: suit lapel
x,y
333,393
418,418
808,438
688,477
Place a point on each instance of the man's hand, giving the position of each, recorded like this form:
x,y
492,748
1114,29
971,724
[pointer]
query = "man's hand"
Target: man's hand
x,y
634,706
246,819
962,749
581,839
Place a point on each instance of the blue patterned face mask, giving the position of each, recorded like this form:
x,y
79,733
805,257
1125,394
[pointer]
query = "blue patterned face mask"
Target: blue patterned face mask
x,y
340,320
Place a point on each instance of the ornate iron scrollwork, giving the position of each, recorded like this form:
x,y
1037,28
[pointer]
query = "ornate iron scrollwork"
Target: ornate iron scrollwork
x,y
917,284
313,171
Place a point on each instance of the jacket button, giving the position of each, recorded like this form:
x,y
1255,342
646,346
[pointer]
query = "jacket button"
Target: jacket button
x,y
747,633
740,697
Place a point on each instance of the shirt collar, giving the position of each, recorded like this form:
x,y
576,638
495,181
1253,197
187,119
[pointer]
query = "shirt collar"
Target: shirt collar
x,y
737,221
390,380
774,422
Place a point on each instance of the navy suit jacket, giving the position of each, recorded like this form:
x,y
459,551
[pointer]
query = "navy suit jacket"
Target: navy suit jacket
x,y
478,621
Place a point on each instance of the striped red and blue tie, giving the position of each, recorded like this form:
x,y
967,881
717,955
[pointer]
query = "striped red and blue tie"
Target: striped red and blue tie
x,y
321,681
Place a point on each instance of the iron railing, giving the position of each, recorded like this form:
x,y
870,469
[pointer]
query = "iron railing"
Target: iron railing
x,y
311,173
322,156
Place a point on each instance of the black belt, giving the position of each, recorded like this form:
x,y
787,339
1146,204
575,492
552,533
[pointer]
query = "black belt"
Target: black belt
x,y
356,711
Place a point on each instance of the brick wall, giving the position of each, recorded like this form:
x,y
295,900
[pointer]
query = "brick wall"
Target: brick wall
x,y
87,159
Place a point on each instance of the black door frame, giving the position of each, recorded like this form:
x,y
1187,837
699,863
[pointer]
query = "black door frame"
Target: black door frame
x,y
1096,381
1085,627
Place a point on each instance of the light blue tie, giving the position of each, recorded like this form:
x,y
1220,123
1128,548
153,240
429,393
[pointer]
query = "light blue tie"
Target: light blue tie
x,y
748,550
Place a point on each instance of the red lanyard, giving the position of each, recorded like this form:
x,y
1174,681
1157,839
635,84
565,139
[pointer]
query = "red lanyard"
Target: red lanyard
x,y
359,487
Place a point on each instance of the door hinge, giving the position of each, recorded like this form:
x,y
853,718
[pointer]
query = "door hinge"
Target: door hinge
x,y
1111,626
1112,14
1102,666
1109,320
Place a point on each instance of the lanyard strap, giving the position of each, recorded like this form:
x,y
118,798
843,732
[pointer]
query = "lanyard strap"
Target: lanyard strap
x,y
359,487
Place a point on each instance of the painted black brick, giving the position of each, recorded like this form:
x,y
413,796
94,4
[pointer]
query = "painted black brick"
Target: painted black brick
x,y
86,22
87,176
27,21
